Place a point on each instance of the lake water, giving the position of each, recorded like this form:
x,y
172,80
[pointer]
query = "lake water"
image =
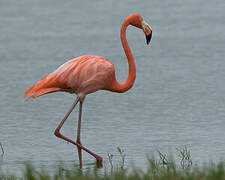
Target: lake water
x,y
178,98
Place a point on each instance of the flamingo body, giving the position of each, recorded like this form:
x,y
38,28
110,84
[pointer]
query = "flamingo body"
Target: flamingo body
x,y
87,74
84,74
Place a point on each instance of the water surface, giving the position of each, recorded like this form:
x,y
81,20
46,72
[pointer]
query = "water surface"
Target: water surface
x,y
178,98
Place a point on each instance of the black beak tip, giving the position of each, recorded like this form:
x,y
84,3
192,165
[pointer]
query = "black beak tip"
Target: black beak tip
x,y
148,38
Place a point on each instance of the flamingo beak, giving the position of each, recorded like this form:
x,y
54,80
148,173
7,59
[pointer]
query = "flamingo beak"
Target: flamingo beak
x,y
147,30
148,38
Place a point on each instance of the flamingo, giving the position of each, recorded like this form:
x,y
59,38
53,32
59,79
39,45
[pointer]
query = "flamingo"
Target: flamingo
x,y
86,74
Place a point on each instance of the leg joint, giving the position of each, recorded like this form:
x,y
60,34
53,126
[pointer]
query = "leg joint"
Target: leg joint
x,y
81,96
57,133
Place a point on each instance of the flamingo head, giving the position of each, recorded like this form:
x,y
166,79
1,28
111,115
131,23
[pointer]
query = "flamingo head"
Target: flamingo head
x,y
137,21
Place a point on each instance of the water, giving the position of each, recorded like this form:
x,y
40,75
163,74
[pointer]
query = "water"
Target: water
x,y
178,97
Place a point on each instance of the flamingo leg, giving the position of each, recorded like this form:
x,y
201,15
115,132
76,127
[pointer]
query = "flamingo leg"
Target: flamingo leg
x,y
78,134
59,135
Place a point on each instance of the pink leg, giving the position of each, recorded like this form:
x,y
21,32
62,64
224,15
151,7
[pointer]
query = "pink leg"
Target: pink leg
x,y
58,134
78,134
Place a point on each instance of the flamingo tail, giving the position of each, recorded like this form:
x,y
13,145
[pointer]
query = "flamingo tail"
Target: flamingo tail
x,y
44,86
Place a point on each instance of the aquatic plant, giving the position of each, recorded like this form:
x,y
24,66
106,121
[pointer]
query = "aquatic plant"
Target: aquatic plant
x,y
2,149
122,156
122,159
110,158
185,156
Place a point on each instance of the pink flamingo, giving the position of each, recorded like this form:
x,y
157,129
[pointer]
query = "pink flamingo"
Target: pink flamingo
x,y
87,74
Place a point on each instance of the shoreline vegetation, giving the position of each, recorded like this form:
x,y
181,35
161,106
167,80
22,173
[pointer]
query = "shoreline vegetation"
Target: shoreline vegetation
x,y
161,167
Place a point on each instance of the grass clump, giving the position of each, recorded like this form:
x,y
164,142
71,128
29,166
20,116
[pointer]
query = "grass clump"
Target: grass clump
x,y
185,156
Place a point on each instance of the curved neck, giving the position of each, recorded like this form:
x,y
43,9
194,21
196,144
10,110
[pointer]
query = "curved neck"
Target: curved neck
x,y
122,87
